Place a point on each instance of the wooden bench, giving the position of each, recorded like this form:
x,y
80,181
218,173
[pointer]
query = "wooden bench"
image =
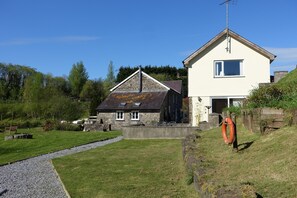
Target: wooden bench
x,y
11,128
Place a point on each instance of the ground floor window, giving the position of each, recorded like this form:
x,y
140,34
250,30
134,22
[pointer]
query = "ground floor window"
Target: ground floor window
x,y
119,115
218,104
134,115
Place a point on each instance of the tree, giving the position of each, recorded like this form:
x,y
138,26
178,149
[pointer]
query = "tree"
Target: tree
x,y
110,78
78,76
32,94
161,77
12,79
61,107
124,72
61,84
93,92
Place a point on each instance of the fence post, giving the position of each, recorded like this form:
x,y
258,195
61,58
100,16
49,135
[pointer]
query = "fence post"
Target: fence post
x,y
235,143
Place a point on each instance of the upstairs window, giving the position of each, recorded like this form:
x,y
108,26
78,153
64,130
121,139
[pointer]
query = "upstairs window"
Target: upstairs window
x,y
134,115
119,115
228,68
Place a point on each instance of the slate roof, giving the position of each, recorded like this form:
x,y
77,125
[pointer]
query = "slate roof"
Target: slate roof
x,y
148,101
239,38
175,85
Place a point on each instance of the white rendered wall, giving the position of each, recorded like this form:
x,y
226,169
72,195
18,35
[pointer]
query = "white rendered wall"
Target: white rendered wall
x,y
203,84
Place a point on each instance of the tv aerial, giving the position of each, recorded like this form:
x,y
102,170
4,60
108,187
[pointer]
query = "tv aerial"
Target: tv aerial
x,y
226,2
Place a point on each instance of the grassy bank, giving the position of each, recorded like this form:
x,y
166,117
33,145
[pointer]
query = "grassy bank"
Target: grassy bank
x,y
130,168
45,142
266,162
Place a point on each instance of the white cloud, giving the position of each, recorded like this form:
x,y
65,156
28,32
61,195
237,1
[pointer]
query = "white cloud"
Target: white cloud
x,y
283,67
63,39
286,59
284,54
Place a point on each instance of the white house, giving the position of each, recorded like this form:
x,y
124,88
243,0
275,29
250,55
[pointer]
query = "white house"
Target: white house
x,y
223,72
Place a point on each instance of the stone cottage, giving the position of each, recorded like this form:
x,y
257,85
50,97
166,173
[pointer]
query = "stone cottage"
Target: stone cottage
x,y
141,100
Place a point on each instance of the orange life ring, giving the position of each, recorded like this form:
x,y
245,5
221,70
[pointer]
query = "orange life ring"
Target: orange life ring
x,y
231,138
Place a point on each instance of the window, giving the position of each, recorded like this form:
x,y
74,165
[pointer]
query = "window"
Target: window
x,y
122,104
236,102
137,104
228,68
119,115
218,104
134,115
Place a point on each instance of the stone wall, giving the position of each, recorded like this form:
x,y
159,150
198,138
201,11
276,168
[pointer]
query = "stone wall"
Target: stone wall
x,y
157,132
262,120
148,85
213,122
145,118
190,116
196,167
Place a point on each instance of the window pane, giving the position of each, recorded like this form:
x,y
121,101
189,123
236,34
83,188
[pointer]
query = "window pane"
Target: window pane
x,y
218,69
232,67
120,115
236,102
134,115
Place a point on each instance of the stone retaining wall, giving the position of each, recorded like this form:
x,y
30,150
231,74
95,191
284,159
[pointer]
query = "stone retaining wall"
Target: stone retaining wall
x,y
206,188
151,132
263,120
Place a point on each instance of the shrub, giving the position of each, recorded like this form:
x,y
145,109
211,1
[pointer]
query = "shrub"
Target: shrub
x,y
233,109
21,123
265,96
67,127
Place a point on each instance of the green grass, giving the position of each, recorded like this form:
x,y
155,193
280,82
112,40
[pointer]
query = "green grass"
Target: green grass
x,y
266,162
45,142
130,168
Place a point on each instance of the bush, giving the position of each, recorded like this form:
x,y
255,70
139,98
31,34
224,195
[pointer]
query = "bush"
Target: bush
x,y
67,127
265,96
21,123
233,109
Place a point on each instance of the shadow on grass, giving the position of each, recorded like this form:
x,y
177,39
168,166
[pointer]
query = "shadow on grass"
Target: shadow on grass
x,y
245,145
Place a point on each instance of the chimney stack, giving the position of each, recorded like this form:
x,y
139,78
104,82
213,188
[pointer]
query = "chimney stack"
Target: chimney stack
x,y
279,75
140,80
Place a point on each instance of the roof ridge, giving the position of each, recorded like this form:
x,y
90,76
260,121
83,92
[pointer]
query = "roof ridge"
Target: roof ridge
x,y
235,36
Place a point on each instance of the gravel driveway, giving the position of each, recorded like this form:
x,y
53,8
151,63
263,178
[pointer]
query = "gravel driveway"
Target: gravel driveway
x,y
36,177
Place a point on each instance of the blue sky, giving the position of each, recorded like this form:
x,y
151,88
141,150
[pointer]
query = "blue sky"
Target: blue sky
x,y
52,35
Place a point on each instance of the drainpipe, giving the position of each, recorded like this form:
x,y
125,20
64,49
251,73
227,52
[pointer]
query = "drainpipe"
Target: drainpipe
x,y
140,81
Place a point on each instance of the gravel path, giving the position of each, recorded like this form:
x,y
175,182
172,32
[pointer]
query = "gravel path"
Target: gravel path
x,y
36,177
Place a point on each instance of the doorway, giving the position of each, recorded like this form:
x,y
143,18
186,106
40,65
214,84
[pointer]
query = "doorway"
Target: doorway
x,y
218,105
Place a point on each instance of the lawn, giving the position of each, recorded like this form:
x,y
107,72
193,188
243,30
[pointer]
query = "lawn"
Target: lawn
x,y
266,162
46,142
130,168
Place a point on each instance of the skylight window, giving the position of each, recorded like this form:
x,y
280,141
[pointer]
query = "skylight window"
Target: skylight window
x,y
137,104
122,104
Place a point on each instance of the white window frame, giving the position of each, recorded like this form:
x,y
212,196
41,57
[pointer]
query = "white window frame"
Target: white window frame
x,y
229,98
222,74
120,115
134,115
